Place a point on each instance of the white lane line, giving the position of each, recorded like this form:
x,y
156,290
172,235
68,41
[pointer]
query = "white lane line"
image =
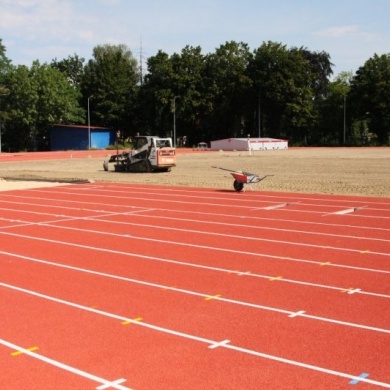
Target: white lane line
x,y
353,291
216,297
21,223
219,344
256,254
97,213
275,206
143,210
192,231
310,367
68,218
257,227
164,199
110,385
223,344
106,383
82,206
293,243
202,214
298,313
346,211
259,199
216,269
123,188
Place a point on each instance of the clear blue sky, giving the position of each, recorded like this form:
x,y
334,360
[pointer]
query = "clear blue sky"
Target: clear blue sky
x,y
351,31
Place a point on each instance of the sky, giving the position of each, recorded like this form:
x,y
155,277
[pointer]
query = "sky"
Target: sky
x,y
351,31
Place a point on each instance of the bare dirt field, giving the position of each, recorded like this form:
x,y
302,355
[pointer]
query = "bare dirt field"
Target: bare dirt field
x,y
346,171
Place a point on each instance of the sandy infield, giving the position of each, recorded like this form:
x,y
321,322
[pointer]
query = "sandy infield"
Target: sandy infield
x,y
344,171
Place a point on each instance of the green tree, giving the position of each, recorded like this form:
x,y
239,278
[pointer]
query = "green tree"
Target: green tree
x,y
39,97
110,82
271,72
287,83
188,70
5,62
157,95
334,112
5,65
72,67
321,70
300,115
370,96
227,89
23,98
174,86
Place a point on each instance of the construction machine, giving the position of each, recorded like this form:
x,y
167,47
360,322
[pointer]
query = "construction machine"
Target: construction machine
x,y
150,154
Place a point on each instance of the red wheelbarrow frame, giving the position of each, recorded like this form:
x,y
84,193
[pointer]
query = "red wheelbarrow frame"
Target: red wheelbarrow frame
x,y
241,178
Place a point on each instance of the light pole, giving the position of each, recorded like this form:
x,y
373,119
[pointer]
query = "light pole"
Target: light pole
x,y
0,123
2,94
89,127
345,125
174,121
259,120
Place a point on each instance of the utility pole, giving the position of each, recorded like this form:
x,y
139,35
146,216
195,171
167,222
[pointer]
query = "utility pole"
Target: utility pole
x,y
141,57
0,123
2,94
345,123
174,121
259,120
89,126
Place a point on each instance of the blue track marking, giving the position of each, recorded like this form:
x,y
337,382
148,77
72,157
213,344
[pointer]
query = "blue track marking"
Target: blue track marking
x,y
357,380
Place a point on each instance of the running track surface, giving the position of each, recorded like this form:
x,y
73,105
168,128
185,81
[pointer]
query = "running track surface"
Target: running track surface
x,y
121,286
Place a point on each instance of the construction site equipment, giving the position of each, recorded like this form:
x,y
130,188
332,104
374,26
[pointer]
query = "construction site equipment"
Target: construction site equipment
x,y
241,178
150,154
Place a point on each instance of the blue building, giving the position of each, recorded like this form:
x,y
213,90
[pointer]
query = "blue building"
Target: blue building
x,y
74,137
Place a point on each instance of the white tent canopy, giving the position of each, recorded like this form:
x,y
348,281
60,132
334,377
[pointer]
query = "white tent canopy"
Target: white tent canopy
x,y
249,144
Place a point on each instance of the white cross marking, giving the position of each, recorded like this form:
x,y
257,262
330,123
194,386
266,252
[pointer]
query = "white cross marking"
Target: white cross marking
x,y
353,291
298,313
112,384
220,344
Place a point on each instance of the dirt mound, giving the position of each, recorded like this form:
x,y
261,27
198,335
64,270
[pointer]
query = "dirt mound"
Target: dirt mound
x,y
349,171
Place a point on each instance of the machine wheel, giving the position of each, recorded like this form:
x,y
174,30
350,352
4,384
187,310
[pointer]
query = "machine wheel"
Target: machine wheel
x,y
148,166
119,168
238,185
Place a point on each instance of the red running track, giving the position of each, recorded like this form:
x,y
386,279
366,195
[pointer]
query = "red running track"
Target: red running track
x,y
117,286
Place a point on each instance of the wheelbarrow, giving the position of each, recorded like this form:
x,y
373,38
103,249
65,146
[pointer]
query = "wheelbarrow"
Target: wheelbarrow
x,y
241,178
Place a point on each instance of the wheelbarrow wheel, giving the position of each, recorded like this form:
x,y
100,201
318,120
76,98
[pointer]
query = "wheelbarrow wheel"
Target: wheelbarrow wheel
x,y
238,185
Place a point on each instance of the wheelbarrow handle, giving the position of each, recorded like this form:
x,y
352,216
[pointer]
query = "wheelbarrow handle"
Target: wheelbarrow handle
x,y
225,169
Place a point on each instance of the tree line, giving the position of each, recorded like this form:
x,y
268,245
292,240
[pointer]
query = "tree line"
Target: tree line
x,y
273,91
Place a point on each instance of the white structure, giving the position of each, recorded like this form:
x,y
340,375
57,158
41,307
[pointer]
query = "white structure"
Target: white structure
x,y
249,144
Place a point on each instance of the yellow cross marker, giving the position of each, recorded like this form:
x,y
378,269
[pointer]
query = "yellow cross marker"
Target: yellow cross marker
x,y
275,278
212,297
244,273
351,290
17,353
326,263
130,321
